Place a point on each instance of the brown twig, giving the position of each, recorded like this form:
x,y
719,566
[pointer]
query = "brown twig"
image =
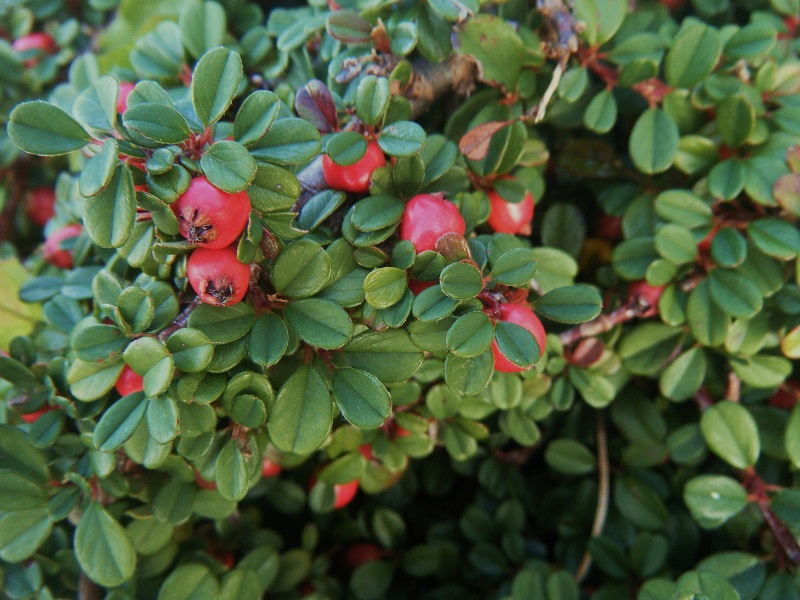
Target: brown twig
x,y
88,589
180,321
603,323
603,495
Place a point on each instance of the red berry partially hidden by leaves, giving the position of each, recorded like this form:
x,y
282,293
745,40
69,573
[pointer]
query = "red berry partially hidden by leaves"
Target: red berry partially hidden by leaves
x,y
428,217
41,41
358,554
32,417
510,217
523,316
129,382
417,286
217,276
56,255
40,205
353,178
786,396
344,493
646,295
209,217
125,89
204,483
269,468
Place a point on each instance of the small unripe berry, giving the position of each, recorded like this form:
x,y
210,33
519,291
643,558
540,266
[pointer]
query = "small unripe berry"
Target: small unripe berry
x,y
217,276
209,217
41,41
428,217
40,205
56,255
523,316
510,217
125,89
353,178
129,382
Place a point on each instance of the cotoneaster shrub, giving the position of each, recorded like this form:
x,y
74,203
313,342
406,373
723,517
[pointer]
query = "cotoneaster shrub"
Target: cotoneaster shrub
x,y
262,337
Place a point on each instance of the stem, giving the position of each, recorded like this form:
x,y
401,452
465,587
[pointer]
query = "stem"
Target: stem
x,y
180,321
88,589
601,324
603,495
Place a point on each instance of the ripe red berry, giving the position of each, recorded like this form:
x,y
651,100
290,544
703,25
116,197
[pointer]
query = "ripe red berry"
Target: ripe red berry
x,y
358,554
353,178
786,396
34,416
523,316
41,41
417,286
40,205
428,217
269,468
129,382
647,295
344,493
366,451
56,255
125,89
510,217
217,276
209,217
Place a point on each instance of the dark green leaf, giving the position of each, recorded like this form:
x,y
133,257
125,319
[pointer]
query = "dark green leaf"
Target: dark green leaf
x,y
44,129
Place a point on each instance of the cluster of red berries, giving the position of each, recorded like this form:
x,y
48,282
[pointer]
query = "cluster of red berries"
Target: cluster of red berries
x,y
213,220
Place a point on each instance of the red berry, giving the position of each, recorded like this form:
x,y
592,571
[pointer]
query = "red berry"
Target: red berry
x,y
269,468
646,294
510,217
358,554
353,178
129,382
43,42
125,89
217,276
786,396
34,416
417,286
209,217
609,227
344,493
523,316
428,217
204,483
366,451
40,205
56,255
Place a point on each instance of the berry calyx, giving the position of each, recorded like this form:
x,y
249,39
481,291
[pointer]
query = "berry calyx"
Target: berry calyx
x,y
209,217
646,295
125,89
40,205
54,253
510,217
353,178
523,316
428,217
217,276
129,382
270,468
41,41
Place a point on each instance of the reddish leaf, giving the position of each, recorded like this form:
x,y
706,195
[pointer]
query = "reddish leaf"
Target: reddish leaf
x,y
475,143
314,103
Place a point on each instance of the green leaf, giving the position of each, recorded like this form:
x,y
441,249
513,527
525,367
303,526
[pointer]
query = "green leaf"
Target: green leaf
x,y
461,281
301,269
602,18
301,418
684,376
693,54
517,344
733,294
162,418
515,267
98,342
569,457
676,244
18,492
190,581
362,398
376,212
103,548
601,114
91,380
703,584
728,247
268,340
289,142
389,355
645,349
726,179
468,376
654,141
255,117
157,122
348,27
385,287
707,324
150,358
736,119
119,422
496,47
792,437
683,208
713,499
432,305
273,189
223,324
402,138
214,83
44,129
229,166
320,323
22,532
202,26
775,237
98,171
231,472
471,335
372,99
109,216
731,433
346,148
570,304
191,350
